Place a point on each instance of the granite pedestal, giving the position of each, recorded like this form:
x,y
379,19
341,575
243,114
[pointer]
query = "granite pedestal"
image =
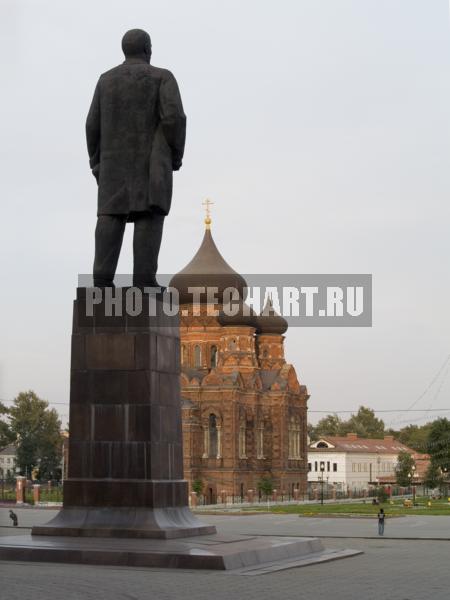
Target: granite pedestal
x,y
125,471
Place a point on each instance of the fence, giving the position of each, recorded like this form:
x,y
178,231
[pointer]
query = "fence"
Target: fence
x,y
7,491
312,495
48,492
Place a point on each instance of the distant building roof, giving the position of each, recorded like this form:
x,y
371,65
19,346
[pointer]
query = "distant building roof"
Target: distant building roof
x,y
352,443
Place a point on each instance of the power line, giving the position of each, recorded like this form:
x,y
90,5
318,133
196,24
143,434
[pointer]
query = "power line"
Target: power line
x,y
427,389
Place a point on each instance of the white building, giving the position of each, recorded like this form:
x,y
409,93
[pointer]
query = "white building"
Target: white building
x,y
8,462
352,463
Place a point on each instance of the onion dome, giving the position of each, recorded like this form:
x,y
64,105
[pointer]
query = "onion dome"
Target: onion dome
x,y
269,321
208,268
238,315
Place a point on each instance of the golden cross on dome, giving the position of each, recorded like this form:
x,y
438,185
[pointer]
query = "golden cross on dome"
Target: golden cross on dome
x,y
207,204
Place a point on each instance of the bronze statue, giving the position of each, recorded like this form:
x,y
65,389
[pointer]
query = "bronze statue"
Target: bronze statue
x,y
135,132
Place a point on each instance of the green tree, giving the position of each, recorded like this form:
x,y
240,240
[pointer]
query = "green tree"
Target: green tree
x,y
265,486
414,436
404,468
197,486
439,443
6,435
433,476
37,430
329,425
312,432
365,424
382,495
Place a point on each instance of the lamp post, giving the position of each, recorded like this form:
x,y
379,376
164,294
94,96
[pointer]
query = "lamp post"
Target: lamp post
x,y
411,475
322,469
444,477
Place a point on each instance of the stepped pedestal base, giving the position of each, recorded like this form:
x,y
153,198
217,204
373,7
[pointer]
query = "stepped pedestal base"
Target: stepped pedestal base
x,y
249,555
161,523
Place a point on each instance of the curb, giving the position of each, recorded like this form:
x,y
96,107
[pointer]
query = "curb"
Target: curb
x,y
361,537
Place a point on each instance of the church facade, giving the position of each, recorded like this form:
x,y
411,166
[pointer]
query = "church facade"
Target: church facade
x,y
244,412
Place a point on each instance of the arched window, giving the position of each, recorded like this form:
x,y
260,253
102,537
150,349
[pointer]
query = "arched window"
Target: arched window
x,y
197,356
212,436
242,440
294,438
322,445
260,440
183,354
213,360
291,426
232,344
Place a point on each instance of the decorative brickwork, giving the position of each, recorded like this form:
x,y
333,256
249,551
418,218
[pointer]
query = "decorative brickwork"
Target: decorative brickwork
x,y
244,412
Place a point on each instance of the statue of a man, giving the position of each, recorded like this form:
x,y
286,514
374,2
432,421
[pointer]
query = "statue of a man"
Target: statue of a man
x,y
135,131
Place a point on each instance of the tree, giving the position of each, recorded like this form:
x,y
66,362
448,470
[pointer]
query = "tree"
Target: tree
x,y
365,424
439,443
6,435
312,434
382,495
265,486
404,468
414,436
37,431
329,425
433,476
197,486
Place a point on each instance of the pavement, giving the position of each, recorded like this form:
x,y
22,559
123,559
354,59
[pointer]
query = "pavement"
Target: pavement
x,y
410,527
393,567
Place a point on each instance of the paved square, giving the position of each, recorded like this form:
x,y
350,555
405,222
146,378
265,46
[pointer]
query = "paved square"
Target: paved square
x,y
391,568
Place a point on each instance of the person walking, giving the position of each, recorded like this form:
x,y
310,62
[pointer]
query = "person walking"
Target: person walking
x,y
381,517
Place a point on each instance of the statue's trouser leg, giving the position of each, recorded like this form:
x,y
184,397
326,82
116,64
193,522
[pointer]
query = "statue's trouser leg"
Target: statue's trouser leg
x,y
108,242
148,230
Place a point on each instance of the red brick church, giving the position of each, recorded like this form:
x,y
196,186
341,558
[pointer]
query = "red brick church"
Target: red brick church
x,y
244,410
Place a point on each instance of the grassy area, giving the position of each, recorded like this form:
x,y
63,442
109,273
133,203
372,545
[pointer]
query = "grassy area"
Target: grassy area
x,y
438,507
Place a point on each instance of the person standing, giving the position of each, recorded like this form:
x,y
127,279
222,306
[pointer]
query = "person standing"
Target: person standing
x,y
381,517
13,517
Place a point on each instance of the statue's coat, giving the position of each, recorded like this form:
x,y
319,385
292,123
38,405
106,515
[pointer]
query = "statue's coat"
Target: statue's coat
x,y
135,133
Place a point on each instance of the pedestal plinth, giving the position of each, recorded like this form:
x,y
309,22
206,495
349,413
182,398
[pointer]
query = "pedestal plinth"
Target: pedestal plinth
x,y
125,474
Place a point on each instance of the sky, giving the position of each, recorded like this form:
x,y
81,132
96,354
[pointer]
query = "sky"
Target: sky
x,y
320,130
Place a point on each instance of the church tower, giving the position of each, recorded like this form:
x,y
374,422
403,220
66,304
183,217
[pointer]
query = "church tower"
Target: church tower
x,y
244,411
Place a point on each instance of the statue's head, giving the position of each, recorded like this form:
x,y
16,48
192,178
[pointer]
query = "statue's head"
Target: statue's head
x,y
136,43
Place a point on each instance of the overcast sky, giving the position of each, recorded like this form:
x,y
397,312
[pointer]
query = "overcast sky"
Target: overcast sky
x,y
321,131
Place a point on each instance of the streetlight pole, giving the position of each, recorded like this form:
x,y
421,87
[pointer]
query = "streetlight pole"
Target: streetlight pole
x,y
444,480
411,479
322,469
